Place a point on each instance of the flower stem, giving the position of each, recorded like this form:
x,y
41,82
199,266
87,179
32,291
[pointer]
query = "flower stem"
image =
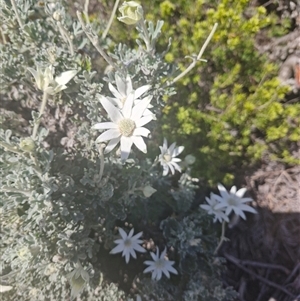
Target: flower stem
x,y
42,109
100,149
13,3
94,40
223,238
110,20
193,64
65,34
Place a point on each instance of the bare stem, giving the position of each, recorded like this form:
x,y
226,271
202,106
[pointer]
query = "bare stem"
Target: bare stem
x,y
94,41
42,109
86,7
193,64
65,34
13,3
262,279
110,20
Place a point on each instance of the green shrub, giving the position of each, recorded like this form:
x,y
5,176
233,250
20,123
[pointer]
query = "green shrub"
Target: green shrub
x,y
230,111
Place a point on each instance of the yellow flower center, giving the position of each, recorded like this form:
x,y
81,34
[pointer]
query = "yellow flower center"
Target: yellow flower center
x,y
127,242
126,127
167,157
160,263
233,201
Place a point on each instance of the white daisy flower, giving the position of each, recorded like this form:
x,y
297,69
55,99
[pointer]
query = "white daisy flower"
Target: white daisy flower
x,y
78,278
159,265
126,126
219,214
128,244
233,201
47,83
167,157
124,89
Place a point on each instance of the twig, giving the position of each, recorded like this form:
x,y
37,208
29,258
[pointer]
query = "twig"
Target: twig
x,y
86,7
94,40
265,265
293,273
10,148
262,279
15,190
110,20
65,34
38,121
13,3
193,64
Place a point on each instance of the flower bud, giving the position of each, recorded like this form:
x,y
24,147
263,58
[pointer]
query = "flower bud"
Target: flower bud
x,y
148,191
57,15
189,159
27,145
77,279
131,12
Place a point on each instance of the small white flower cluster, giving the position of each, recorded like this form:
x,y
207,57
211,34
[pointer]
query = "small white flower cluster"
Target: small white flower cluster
x,y
168,159
129,244
222,206
129,113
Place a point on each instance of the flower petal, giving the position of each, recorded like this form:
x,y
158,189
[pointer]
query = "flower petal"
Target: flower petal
x,y
141,90
139,143
141,132
122,233
65,77
115,92
139,108
117,249
240,193
113,112
112,144
177,151
104,126
108,135
126,143
127,107
144,120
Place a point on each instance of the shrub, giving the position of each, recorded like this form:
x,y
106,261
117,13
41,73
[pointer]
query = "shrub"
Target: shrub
x,y
65,193
231,112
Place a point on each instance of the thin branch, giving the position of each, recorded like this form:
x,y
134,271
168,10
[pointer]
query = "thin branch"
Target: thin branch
x,y
10,148
193,64
65,34
13,3
15,190
265,265
110,20
94,41
42,109
262,279
86,7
